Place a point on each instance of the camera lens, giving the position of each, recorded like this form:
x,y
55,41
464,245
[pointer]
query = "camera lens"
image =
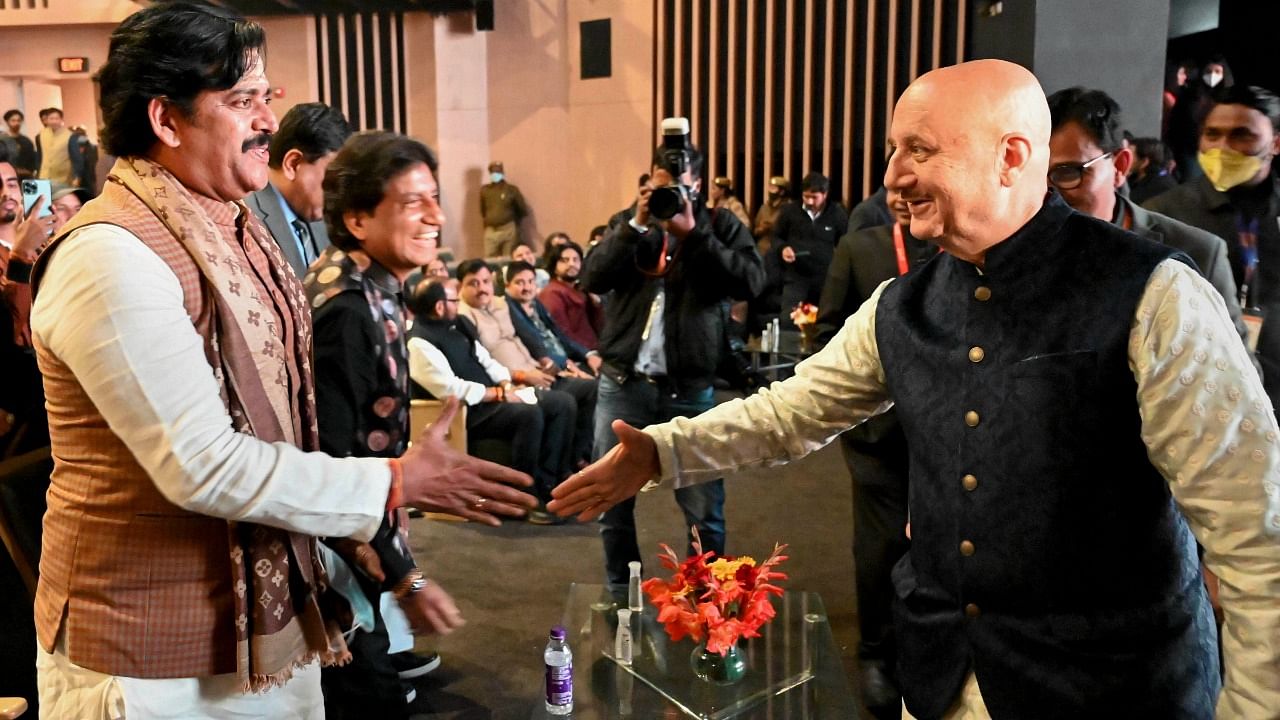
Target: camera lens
x,y
666,202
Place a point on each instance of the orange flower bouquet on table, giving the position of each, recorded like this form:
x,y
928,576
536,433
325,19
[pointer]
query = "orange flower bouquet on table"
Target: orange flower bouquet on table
x,y
715,601
804,314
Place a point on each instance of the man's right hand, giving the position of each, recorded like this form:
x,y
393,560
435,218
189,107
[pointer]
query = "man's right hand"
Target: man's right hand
x,y
438,478
642,204
534,378
31,233
788,254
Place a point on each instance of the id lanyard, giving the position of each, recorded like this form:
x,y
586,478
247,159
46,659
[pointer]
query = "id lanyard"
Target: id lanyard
x,y
900,249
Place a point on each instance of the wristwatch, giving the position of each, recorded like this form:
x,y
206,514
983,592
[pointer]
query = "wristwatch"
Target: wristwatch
x,y
409,584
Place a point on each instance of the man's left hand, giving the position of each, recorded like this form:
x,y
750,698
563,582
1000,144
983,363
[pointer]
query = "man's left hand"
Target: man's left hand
x,y
431,610
595,362
682,224
613,478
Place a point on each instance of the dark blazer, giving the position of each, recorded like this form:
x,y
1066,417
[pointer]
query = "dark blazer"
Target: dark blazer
x,y
532,339
1207,250
266,206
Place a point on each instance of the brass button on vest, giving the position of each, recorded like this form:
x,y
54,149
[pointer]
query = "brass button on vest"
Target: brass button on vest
x,y
966,548
976,354
969,482
971,418
982,294
972,610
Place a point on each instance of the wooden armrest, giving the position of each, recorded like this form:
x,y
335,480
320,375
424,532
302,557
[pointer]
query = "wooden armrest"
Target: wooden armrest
x,y
12,707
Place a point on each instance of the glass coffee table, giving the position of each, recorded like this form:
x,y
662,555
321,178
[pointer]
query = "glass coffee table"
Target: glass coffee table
x,y
793,669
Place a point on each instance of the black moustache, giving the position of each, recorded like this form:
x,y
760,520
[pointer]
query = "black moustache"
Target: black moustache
x,y
262,140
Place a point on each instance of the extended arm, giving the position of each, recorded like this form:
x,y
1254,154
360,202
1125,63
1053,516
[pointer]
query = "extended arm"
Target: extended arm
x,y
1211,432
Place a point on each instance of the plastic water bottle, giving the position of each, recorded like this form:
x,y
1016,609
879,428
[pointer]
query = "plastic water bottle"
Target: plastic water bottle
x,y
635,601
559,662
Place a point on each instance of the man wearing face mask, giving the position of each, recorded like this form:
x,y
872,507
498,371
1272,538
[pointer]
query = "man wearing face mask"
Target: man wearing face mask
x,y
1237,200
502,207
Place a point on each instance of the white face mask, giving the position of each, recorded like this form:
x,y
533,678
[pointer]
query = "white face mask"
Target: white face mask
x,y
1212,79
495,177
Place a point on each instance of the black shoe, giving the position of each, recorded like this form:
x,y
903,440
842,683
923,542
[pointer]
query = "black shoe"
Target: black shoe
x,y
410,665
879,692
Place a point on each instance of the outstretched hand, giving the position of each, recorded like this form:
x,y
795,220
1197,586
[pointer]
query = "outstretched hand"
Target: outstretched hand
x,y
438,478
613,478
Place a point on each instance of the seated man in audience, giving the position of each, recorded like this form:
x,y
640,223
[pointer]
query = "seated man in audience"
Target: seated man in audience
x,y
524,254
380,203
446,359
575,310
492,318
539,331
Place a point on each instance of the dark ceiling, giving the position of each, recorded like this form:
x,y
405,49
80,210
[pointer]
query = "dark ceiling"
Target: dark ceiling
x,y
310,7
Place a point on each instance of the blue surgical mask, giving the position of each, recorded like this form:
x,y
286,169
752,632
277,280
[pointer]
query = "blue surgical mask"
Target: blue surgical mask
x,y
495,177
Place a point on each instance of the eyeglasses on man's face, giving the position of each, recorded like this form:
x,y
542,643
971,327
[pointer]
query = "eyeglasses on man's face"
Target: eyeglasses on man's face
x,y
1068,176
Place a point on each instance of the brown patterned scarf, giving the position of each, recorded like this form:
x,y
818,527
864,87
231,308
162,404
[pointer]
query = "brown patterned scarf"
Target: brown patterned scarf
x,y
260,352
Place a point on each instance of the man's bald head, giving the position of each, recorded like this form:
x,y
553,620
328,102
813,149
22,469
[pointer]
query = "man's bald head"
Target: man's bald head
x,y
971,153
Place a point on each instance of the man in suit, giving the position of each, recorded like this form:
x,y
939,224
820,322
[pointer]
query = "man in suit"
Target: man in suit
x,y
1088,164
292,203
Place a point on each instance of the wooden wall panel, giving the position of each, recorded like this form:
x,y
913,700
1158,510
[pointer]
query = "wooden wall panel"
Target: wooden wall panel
x,y
359,63
788,87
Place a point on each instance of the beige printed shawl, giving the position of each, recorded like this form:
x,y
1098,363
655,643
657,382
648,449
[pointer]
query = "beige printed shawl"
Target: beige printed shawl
x,y
270,394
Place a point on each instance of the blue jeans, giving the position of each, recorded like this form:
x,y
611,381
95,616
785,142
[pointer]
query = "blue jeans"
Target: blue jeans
x,y
639,402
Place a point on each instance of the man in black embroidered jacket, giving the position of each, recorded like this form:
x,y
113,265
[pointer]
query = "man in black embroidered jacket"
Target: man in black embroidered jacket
x,y
383,215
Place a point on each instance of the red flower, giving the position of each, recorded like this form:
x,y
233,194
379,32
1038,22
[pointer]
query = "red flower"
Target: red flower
x,y
722,599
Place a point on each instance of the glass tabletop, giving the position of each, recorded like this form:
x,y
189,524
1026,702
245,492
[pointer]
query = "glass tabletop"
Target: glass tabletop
x,y
793,669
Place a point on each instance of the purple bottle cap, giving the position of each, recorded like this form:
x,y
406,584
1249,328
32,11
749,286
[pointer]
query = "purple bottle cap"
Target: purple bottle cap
x,y
557,632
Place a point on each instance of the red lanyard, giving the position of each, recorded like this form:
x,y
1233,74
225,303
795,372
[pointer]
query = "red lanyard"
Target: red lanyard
x,y
900,249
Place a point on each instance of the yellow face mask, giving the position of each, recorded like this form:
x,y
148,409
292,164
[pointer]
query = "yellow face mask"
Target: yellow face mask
x,y
1227,168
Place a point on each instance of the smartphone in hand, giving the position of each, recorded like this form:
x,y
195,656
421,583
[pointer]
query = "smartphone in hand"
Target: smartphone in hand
x,y
33,189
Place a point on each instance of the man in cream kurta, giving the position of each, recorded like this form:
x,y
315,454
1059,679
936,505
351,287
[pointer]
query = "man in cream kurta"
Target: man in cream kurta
x,y
1205,425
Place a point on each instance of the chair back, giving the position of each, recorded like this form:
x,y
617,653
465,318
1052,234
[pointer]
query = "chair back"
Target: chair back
x,y
424,412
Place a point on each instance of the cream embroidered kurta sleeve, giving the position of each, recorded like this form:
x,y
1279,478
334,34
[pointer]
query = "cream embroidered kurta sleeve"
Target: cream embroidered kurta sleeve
x,y
112,310
1207,424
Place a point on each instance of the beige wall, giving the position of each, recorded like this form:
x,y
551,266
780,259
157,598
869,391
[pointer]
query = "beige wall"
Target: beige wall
x,y
575,147
291,59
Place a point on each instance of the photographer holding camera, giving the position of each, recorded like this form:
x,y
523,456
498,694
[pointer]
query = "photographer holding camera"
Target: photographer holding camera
x,y
669,263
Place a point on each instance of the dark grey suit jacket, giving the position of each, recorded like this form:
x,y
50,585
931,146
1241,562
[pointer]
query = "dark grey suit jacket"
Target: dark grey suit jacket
x,y
266,206
1207,250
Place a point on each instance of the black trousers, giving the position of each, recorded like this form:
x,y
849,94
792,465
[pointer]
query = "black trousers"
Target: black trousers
x,y
540,435
584,394
879,471
369,686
